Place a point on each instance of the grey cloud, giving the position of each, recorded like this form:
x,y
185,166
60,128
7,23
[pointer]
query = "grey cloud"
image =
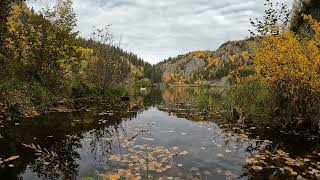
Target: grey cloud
x,y
158,29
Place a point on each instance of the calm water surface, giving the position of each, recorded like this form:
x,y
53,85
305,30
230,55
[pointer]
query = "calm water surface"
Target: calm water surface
x,y
143,133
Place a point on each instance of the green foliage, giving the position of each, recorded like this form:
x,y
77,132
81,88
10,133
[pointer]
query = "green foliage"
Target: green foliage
x,y
143,83
207,100
251,100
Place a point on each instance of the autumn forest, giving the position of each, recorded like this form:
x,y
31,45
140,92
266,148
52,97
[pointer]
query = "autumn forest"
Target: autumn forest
x,y
75,107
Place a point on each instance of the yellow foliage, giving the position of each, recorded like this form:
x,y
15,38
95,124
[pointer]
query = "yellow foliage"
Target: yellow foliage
x,y
286,58
17,40
245,55
175,79
232,58
135,72
114,177
84,51
201,54
290,65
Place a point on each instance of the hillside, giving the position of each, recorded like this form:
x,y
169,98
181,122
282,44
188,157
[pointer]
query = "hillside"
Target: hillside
x,y
133,68
209,66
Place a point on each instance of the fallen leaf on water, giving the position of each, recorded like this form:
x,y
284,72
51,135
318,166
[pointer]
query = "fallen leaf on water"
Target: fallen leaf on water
x,y
148,139
257,168
313,171
251,161
114,177
87,139
290,161
306,160
291,171
184,153
228,151
282,153
175,148
11,158
228,173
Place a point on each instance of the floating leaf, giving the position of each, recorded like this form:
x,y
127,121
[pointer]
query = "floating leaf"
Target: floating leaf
x,y
114,177
306,160
291,171
175,148
184,153
228,173
282,153
148,139
11,158
228,151
257,168
251,161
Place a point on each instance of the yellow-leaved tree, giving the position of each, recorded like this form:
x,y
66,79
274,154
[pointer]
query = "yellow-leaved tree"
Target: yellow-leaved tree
x,y
289,64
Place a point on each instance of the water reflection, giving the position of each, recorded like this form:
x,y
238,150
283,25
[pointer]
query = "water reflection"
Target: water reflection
x,y
182,138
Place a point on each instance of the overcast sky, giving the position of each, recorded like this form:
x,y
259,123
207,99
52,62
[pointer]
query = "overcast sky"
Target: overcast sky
x,y
158,29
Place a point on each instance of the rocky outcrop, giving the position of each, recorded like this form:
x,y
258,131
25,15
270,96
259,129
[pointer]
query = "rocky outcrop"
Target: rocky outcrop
x,y
185,66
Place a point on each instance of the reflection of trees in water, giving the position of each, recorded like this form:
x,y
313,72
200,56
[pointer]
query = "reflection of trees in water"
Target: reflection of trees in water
x,y
63,164
100,146
66,132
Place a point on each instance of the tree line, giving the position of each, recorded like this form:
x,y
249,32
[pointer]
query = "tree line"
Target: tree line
x,y
43,59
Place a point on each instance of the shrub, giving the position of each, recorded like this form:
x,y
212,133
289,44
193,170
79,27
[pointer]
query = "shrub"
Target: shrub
x,y
251,101
289,65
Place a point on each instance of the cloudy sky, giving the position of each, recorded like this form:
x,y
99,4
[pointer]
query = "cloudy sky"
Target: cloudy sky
x,y
158,29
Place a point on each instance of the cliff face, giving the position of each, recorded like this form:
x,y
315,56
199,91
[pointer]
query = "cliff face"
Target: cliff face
x,y
185,66
205,66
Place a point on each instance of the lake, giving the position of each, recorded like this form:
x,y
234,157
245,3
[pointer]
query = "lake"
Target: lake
x,y
162,134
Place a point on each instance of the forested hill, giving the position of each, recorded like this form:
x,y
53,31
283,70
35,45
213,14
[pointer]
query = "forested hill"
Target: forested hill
x,y
207,67
135,67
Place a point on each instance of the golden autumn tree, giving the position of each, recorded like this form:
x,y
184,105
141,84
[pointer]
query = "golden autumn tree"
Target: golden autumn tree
x,y
36,48
289,64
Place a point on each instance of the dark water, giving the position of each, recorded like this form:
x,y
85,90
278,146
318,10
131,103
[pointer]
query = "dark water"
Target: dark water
x,y
160,132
